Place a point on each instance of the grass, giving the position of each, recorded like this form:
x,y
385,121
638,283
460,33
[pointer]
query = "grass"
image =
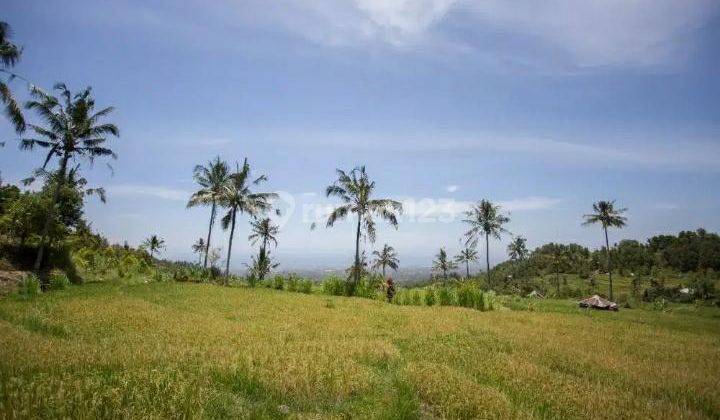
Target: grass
x,y
198,350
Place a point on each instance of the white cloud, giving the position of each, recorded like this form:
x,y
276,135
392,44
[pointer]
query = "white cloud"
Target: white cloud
x,y
452,188
148,190
567,32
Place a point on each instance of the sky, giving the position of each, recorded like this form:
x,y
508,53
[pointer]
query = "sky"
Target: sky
x,y
542,107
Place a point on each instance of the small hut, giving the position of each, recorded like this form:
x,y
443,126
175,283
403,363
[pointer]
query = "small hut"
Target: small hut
x,y
596,302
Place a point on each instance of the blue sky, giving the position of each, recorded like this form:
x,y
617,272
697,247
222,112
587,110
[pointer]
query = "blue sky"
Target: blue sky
x,y
544,108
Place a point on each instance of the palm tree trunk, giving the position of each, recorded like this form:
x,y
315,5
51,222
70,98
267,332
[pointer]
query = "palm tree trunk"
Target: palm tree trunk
x,y
487,257
212,222
232,232
467,269
51,212
357,251
609,258
383,270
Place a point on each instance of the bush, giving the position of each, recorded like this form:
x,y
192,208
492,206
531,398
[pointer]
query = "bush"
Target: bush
x,y
278,282
29,286
58,280
416,298
292,283
445,296
305,286
334,286
429,297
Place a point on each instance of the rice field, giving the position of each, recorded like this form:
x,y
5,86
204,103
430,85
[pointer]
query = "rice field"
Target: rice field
x,y
185,350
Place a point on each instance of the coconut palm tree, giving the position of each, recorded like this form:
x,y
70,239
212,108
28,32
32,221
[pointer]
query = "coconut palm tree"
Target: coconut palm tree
x,y
443,264
466,256
237,197
9,56
153,244
212,179
355,190
200,248
517,249
265,232
73,131
386,258
607,215
485,218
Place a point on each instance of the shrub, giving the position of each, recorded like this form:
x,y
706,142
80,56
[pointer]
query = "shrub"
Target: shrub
x,y
292,283
445,296
29,286
58,280
429,297
488,301
334,286
305,286
278,282
416,298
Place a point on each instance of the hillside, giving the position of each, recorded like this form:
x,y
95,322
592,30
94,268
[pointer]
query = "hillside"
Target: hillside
x,y
180,349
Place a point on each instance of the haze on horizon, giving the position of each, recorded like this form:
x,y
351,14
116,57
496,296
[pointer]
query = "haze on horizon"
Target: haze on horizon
x,y
544,109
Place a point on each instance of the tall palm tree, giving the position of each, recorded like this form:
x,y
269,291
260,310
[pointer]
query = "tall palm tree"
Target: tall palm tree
x,y
153,244
238,198
265,232
466,256
485,218
443,264
200,248
73,130
212,179
517,249
386,258
605,213
355,190
9,56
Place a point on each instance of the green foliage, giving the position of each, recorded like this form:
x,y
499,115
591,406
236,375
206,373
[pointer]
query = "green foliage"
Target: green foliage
x,y
58,280
445,296
278,282
334,286
429,297
29,286
305,286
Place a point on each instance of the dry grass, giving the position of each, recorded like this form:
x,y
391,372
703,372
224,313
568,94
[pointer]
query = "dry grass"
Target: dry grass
x,y
188,350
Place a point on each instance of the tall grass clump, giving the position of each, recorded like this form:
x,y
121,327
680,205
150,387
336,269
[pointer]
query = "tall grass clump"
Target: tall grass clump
x,y
445,296
429,297
29,286
58,280
334,286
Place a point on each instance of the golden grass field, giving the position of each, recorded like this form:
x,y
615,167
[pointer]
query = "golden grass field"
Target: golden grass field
x,y
162,350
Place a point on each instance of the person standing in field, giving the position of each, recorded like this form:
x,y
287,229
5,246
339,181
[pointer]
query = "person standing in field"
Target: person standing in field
x,y
390,289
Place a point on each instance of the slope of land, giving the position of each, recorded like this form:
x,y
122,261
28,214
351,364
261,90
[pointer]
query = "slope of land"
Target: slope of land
x,y
199,350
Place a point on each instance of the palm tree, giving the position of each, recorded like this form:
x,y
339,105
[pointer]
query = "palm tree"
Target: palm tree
x,y
200,248
212,179
466,256
9,56
386,258
153,244
443,264
486,219
607,215
73,131
264,231
517,249
237,197
355,190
